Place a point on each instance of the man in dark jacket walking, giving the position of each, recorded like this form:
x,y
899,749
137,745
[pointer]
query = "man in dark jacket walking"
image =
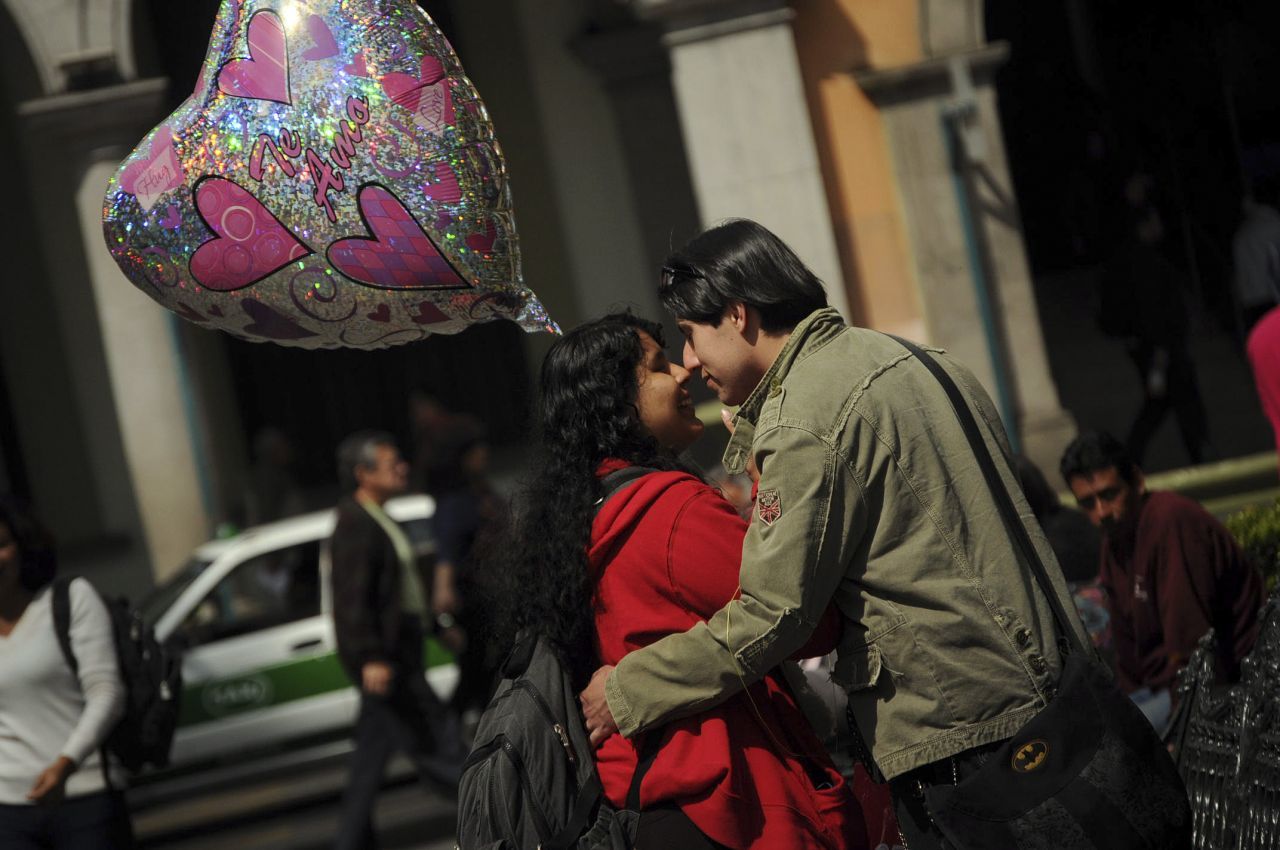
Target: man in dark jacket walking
x,y
379,611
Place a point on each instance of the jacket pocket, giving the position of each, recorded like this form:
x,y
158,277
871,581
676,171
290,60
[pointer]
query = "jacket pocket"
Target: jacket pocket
x,y
858,669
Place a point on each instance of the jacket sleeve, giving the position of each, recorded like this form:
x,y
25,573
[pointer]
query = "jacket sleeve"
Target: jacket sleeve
x,y
355,573
793,559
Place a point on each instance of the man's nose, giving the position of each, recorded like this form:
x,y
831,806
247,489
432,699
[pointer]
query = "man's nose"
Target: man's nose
x,y
691,361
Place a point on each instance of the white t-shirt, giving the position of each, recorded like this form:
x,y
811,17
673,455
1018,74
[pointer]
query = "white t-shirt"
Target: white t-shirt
x,y
45,711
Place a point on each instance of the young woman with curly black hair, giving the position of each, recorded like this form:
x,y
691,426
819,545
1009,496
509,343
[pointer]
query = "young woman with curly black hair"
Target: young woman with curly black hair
x,y
661,555
53,792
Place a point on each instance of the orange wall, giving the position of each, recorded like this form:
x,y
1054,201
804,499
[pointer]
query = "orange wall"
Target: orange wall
x,y
833,38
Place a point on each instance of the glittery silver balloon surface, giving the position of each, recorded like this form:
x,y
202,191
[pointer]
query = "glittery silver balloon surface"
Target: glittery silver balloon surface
x,y
333,181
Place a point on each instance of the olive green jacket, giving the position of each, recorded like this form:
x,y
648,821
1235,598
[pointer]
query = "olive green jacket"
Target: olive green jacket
x,y
870,496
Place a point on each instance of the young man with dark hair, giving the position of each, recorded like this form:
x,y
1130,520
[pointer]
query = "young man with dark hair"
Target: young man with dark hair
x,y
1170,570
869,497
380,611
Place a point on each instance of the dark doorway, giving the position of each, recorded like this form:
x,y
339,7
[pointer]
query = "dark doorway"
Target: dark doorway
x,y
1094,94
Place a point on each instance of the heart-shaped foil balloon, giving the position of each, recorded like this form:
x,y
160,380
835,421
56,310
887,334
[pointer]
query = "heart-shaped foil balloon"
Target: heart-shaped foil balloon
x,y
334,181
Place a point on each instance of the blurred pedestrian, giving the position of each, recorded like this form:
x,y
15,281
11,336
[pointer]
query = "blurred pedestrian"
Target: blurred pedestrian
x,y
54,789
272,492
1143,302
1077,543
1256,252
456,477
1263,347
380,612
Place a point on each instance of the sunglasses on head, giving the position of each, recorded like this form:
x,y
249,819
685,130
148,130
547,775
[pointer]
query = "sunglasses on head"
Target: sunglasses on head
x,y
671,275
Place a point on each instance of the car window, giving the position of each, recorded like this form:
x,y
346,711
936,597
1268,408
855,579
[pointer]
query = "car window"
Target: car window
x,y
419,533
271,589
158,601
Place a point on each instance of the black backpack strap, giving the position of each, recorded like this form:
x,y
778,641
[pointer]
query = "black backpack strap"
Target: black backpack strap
x,y
61,600
584,810
648,752
592,792
615,482
1001,495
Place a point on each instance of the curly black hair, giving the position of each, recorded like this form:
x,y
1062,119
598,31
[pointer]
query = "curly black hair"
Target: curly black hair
x,y
587,413
37,555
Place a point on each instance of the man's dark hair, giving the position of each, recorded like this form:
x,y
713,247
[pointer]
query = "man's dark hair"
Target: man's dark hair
x,y
37,557
359,450
740,261
1094,451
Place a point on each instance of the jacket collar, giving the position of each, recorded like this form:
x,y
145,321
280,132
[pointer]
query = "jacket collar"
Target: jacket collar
x,y
813,332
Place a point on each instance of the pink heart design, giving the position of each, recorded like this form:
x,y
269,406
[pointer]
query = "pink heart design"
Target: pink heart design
x,y
445,189
325,46
357,67
188,312
269,323
429,314
265,74
249,243
173,217
382,314
482,243
148,179
398,254
427,96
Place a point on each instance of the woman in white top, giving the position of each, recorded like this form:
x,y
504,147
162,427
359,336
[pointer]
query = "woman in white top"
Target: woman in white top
x,y
54,793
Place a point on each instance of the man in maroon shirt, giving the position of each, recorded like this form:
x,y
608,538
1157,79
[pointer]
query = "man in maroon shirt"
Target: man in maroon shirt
x,y
1171,572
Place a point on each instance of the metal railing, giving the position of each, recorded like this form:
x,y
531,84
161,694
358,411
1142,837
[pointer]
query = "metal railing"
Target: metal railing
x,y
1227,743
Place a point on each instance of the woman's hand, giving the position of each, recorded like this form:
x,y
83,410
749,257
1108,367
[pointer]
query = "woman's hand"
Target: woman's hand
x,y
51,785
595,708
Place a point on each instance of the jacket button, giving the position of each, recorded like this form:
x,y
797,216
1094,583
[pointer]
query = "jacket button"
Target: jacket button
x,y
1038,664
1023,637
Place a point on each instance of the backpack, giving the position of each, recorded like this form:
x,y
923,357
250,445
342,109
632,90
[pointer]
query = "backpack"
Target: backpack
x,y
152,677
530,780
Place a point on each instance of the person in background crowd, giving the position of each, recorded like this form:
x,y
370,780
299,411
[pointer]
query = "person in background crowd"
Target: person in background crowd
x,y
1263,348
272,492
659,556
1256,252
865,472
1144,303
1171,572
379,612
1076,542
54,793
465,506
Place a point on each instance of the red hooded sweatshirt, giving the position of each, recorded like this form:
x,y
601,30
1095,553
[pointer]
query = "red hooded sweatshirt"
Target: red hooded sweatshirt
x,y
665,554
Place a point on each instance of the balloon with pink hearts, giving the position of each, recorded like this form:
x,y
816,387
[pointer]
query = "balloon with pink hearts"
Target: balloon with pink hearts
x,y
333,181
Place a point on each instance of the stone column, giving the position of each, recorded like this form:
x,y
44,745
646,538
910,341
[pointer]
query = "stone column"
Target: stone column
x,y
966,240
745,123
136,403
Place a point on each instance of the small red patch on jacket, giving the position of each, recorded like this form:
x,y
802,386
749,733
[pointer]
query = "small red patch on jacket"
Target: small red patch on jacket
x,y
768,506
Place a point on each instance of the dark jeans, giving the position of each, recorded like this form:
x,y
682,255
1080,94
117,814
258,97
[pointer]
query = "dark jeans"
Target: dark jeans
x,y
914,821
93,822
668,828
410,719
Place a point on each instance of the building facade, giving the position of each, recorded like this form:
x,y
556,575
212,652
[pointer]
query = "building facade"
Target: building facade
x,y
864,132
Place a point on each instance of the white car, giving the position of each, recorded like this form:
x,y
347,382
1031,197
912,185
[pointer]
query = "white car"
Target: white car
x,y
252,619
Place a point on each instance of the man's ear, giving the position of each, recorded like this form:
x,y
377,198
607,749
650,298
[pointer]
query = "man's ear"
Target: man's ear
x,y
1139,481
739,315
